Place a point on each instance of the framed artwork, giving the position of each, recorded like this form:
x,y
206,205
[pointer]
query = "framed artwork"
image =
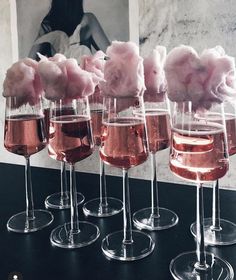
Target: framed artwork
x,y
72,27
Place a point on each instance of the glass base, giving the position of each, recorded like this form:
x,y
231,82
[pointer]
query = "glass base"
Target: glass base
x,y
55,201
114,248
144,219
94,208
225,236
62,237
184,267
19,223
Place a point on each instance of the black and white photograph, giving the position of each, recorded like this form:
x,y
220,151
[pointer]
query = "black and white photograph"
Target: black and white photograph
x,y
71,27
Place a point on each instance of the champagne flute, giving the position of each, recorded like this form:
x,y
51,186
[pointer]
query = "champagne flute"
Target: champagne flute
x,y
220,231
103,206
198,154
71,140
60,200
25,135
158,131
124,145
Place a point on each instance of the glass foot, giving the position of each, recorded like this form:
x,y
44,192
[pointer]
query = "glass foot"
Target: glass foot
x,y
94,208
19,223
144,219
183,267
225,236
62,236
59,201
114,248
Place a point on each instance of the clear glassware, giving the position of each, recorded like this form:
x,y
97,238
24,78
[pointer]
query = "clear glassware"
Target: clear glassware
x,y
124,145
198,154
25,135
220,231
59,200
103,206
71,140
158,132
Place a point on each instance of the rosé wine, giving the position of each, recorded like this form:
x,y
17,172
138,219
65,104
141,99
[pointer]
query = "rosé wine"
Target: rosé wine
x,y
230,121
124,142
70,138
158,129
96,117
63,111
199,154
24,134
46,113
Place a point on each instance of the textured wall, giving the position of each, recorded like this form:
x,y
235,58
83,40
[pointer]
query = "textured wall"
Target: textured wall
x,y
202,23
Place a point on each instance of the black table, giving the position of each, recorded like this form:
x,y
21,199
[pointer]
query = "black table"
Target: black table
x,y
33,256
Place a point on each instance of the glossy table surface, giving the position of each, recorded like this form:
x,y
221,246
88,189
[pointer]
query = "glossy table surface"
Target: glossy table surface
x,y
33,257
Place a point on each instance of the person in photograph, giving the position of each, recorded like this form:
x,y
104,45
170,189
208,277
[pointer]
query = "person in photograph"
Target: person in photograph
x,y
67,29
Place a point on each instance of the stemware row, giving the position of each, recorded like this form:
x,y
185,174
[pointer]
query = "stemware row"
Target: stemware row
x,y
198,153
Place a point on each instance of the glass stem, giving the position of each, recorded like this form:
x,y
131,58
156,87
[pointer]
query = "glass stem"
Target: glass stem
x,y
73,202
64,187
216,207
28,191
154,188
126,211
103,187
201,253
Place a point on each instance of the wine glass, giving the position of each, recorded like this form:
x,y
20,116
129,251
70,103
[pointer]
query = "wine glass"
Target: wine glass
x,y
158,131
60,200
198,154
103,206
124,145
220,231
25,135
71,140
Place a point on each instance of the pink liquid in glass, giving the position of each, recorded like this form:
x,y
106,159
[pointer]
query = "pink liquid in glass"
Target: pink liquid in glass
x,y
158,130
230,121
124,142
199,154
24,134
70,138
46,119
96,117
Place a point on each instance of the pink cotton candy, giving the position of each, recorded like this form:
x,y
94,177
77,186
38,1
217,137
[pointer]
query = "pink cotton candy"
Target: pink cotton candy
x,y
123,71
203,80
22,81
54,78
154,74
221,68
95,64
64,79
80,82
